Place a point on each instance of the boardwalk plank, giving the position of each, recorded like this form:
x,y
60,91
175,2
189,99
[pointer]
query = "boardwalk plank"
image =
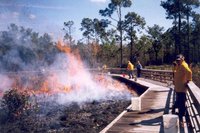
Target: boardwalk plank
x,y
149,118
155,102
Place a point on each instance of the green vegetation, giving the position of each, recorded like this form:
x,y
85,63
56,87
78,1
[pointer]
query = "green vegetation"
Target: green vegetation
x,y
112,41
23,49
154,48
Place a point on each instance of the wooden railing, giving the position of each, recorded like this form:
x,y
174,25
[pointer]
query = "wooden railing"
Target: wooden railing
x,y
157,75
193,106
193,94
166,76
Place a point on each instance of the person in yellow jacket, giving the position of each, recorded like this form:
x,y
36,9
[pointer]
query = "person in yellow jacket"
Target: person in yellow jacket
x,y
130,68
182,76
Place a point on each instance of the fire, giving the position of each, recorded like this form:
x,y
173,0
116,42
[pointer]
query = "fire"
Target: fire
x,y
73,79
106,82
62,47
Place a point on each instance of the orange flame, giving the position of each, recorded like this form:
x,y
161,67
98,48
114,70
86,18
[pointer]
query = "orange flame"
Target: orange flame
x,y
63,47
51,84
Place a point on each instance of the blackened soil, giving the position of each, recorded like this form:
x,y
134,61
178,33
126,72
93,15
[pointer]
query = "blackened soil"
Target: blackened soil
x,y
89,117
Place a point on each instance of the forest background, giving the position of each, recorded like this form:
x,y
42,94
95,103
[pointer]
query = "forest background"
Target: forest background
x,y
111,41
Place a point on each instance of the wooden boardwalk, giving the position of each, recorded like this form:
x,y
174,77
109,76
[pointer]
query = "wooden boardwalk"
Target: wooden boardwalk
x,y
155,102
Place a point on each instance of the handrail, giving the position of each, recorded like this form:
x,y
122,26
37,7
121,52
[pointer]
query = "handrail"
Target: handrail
x,y
195,93
166,76
193,106
158,75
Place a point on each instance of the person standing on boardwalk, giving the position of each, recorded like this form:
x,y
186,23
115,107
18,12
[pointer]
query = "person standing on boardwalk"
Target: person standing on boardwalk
x,y
182,76
139,68
104,67
130,68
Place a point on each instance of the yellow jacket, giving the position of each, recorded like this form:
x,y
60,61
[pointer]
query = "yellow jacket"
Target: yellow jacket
x,y
130,66
182,75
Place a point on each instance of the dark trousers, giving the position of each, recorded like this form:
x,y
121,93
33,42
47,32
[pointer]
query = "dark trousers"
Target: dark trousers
x,y
180,104
138,72
130,73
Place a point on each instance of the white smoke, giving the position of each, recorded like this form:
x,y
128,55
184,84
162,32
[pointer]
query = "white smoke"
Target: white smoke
x,y
67,72
88,89
6,83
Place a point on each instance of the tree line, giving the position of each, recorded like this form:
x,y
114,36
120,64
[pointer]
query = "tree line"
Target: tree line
x,y
157,45
112,41
23,49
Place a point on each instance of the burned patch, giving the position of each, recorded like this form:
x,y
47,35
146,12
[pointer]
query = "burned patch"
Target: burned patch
x,y
52,117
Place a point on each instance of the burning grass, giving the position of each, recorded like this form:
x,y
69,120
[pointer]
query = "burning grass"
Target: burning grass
x,y
65,97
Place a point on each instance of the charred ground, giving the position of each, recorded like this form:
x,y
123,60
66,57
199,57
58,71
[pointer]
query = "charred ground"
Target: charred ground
x,y
89,117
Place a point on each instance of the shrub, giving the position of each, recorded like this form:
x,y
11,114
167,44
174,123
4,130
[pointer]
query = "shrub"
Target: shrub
x,y
16,102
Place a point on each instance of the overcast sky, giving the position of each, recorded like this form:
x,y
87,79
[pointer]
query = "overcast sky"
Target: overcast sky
x,y
49,15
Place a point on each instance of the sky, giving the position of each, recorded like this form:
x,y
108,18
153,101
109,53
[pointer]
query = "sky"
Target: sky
x,y
48,16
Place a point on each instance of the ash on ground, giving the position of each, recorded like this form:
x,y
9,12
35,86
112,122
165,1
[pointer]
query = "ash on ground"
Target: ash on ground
x,y
90,117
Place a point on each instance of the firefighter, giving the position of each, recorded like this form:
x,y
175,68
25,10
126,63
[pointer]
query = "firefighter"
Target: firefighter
x,y
139,68
130,68
182,76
